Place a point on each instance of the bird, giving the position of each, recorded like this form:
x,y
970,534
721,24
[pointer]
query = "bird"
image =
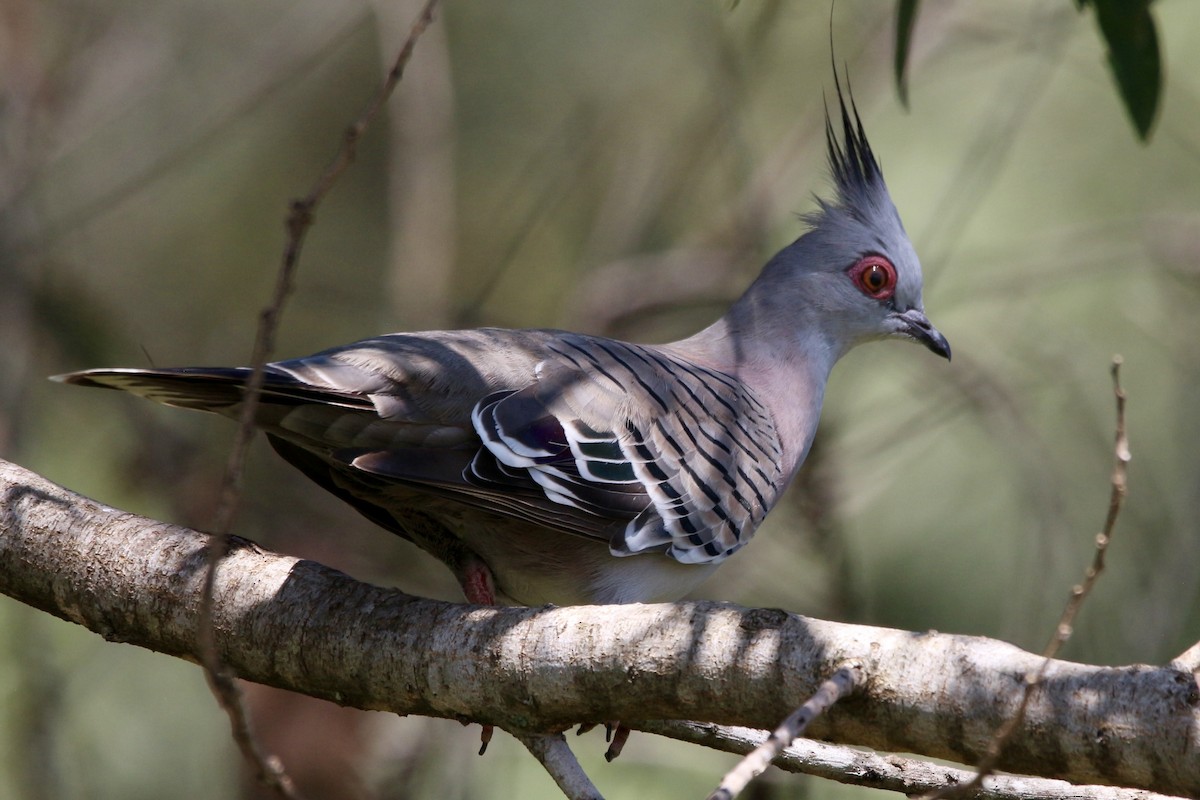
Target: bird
x,y
550,467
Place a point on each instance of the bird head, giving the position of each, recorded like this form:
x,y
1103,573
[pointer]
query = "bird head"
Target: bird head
x,y
854,276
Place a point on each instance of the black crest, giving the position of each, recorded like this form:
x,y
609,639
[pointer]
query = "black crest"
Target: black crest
x,y
851,161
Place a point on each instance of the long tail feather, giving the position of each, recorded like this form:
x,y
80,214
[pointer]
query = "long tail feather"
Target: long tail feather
x,y
203,389
215,389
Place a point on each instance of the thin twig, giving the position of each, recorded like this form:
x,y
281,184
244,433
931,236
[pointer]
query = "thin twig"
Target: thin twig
x,y
1189,659
553,753
299,220
865,768
1079,592
841,684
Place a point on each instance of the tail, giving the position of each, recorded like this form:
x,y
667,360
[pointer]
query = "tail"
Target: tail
x,y
215,389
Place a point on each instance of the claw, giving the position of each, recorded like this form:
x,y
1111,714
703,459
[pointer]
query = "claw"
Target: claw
x,y
619,737
485,737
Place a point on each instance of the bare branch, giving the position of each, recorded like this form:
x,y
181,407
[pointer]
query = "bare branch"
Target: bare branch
x,y
908,776
1062,631
553,753
268,769
1189,659
301,626
841,684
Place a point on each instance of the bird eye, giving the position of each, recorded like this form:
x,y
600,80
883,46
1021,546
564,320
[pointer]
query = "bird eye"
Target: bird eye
x,y
874,276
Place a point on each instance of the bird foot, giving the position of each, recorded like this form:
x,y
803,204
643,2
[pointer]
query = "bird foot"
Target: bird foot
x,y
615,734
485,735
480,588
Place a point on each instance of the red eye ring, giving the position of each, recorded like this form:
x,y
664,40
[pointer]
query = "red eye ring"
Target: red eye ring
x,y
874,276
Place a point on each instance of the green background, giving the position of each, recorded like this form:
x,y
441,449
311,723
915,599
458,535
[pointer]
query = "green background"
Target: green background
x,y
622,168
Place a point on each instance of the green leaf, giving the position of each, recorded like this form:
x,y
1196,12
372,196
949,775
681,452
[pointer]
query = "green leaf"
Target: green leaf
x,y
906,19
1128,28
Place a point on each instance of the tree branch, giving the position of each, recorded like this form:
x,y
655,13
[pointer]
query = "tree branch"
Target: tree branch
x,y
301,626
909,776
841,684
553,753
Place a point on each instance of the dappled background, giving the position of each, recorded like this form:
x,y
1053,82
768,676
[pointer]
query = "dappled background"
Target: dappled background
x,y
619,168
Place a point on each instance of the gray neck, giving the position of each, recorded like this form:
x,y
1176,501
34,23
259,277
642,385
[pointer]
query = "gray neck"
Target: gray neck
x,y
783,356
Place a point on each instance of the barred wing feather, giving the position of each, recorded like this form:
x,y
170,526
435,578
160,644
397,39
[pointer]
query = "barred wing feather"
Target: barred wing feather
x,y
687,454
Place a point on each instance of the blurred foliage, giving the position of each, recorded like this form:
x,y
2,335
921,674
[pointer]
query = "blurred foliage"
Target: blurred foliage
x,y
624,168
906,21
1126,26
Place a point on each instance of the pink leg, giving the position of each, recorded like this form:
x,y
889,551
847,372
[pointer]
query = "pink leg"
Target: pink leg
x,y
478,584
480,588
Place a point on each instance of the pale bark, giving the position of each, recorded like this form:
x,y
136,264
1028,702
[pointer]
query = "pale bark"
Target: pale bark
x,y
301,626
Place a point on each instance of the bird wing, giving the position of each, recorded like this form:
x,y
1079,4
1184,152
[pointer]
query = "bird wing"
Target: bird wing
x,y
686,454
590,436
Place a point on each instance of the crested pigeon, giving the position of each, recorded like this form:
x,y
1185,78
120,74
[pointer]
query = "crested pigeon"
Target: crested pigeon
x,y
556,467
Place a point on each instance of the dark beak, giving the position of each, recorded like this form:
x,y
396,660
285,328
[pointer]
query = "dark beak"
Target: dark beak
x,y
916,326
